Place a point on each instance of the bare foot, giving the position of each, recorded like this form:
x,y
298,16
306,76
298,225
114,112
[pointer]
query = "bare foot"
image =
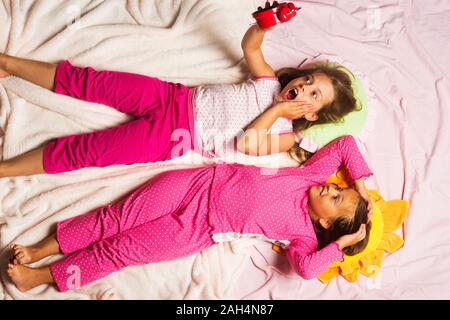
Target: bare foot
x,y
25,255
25,278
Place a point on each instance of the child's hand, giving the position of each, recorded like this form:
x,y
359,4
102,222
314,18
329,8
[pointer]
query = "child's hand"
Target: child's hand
x,y
293,109
361,188
255,28
351,239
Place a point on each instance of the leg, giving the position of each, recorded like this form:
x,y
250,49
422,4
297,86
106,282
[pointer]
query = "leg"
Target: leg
x,y
27,278
130,93
30,254
168,105
170,237
105,250
147,203
24,165
163,195
37,72
139,141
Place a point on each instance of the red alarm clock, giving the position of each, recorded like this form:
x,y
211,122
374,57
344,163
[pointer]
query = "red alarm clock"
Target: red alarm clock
x,y
275,13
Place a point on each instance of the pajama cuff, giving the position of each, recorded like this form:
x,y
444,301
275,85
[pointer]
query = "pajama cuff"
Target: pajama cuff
x,y
61,71
59,239
47,164
57,277
338,253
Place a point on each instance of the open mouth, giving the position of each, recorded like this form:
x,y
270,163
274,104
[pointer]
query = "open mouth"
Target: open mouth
x,y
291,94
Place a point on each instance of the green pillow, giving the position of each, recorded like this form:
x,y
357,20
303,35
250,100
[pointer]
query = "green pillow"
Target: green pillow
x,y
352,124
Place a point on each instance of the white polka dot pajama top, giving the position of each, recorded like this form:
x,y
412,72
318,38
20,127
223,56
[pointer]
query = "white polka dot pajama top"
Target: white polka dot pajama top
x,y
223,111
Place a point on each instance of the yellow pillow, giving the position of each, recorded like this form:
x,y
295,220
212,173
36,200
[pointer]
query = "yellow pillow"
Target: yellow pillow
x,y
387,216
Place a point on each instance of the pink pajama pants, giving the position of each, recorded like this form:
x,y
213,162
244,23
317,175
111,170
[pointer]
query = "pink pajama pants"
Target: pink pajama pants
x,y
167,218
161,109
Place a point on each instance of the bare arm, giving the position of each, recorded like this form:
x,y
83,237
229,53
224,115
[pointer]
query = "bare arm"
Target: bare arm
x,y
251,45
256,140
266,144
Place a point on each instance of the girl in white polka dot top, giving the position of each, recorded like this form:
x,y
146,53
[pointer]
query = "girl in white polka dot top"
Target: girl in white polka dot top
x,y
267,112
257,117
178,213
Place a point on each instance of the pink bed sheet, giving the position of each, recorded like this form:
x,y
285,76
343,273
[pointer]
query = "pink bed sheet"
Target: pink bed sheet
x,y
403,47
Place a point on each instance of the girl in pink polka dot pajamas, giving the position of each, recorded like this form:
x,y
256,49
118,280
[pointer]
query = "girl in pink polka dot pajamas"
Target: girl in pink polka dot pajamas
x,y
171,119
179,213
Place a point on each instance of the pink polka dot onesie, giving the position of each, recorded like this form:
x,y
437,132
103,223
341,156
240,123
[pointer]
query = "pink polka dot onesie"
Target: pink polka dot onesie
x,y
170,118
179,213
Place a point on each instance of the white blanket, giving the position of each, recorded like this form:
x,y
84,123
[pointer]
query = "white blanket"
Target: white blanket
x,y
191,41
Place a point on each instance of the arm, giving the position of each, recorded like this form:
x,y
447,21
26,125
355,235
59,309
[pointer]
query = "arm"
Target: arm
x,y
361,188
251,45
257,141
341,152
307,261
266,144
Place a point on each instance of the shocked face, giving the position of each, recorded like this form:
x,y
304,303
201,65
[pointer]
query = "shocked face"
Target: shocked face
x,y
328,201
315,89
